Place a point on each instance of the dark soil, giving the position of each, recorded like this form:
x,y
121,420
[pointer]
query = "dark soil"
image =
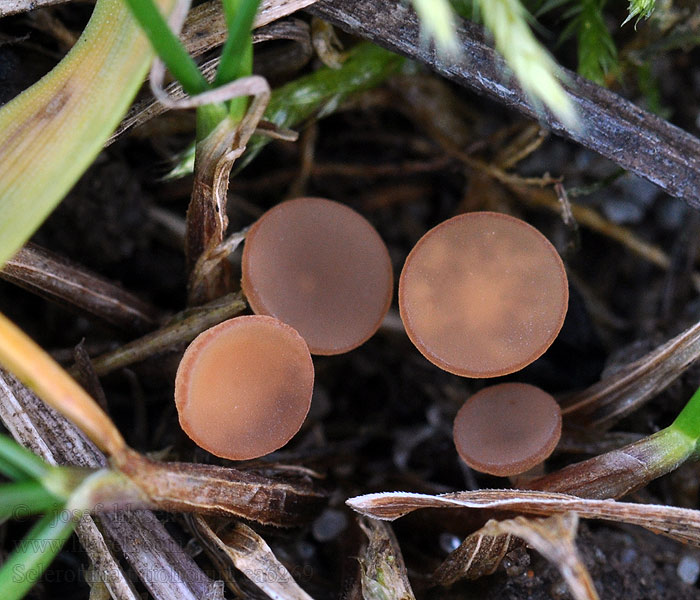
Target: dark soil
x,y
381,415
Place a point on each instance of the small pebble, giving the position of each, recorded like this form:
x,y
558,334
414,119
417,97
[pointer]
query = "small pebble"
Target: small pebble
x,y
306,550
449,542
688,569
623,211
329,525
629,555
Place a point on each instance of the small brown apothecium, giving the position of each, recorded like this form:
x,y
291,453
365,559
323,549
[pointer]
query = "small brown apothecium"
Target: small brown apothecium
x,y
320,267
507,429
483,294
243,387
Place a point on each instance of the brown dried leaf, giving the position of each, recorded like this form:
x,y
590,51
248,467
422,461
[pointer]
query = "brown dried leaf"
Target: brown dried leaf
x,y
606,402
251,555
215,490
682,524
383,570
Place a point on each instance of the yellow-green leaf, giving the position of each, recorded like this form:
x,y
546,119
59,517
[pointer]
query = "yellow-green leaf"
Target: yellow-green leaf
x,y
51,133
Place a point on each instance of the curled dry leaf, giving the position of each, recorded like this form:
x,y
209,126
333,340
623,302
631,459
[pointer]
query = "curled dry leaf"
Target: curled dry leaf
x,y
681,524
606,402
552,537
251,555
383,570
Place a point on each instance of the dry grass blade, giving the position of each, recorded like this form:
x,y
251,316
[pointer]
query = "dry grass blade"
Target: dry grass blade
x,y
554,539
251,555
51,276
383,570
678,523
607,401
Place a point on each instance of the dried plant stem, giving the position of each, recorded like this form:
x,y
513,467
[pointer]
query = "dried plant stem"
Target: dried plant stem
x,y
36,269
214,490
610,125
606,402
11,7
619,472
206,216
183,328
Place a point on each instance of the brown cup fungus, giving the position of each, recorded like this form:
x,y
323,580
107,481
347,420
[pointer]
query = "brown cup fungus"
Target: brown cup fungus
x,y
507,429
483,294
320,267
243,387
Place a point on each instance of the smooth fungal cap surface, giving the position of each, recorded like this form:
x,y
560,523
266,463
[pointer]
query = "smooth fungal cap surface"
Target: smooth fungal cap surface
x,y
320,267
243,387
483,294
507,429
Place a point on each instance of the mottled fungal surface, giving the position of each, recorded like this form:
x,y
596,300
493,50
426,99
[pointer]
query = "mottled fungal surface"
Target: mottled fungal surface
x,y
320,267
507,429
243,388
483,294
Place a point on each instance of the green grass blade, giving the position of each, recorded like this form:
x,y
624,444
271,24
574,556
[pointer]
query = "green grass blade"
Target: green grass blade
x,y
237,55
322,91
52,132
17,462
10,471
24,498
317,94
34,554
597,54
168,46
688,420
